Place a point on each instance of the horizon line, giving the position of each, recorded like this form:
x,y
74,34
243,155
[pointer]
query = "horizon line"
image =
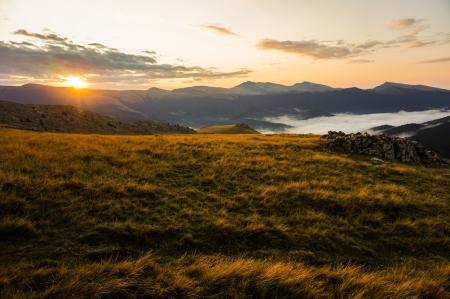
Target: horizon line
x,y
225,88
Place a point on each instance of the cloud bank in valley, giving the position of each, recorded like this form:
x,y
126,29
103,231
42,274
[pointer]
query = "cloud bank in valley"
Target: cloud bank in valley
x,y
351,123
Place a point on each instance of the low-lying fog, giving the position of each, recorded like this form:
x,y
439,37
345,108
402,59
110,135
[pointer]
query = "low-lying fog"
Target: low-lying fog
x,y
352,123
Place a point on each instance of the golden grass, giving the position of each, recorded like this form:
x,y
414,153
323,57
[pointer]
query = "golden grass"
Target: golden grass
x,y
227,129
224,216
220,277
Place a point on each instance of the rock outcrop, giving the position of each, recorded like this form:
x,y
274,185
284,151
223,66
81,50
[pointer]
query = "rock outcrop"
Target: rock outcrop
x,y
394,149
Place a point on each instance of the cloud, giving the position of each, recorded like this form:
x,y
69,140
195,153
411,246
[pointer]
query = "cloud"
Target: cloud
x,y
56,56
152,53
360,61
338,49
438,60
408,28
369,44
46,37
308,48
98,45
410,24
218,29
351,123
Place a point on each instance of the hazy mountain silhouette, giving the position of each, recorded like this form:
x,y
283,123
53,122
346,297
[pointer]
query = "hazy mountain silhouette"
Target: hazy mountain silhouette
x,y
264,88
391,87
249,102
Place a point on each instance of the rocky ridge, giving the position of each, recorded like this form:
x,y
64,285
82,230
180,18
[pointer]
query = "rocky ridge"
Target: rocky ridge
x,y
387,148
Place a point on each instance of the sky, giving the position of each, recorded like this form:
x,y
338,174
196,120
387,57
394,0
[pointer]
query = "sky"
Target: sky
x,y
138,44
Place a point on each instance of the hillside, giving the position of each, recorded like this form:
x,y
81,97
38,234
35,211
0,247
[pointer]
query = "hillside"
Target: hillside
x,y
216,216
433,134
250,102
57,118
228,129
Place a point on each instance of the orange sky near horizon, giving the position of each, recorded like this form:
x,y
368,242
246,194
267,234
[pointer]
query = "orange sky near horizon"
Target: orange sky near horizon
x,y
141,44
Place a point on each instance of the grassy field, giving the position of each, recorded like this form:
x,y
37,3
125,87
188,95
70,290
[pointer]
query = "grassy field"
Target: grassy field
x,y
227,129
216,216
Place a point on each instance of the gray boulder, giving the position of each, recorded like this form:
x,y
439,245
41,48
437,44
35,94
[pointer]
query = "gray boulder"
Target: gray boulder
x,y
394,149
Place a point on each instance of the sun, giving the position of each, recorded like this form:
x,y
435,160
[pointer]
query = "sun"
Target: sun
x,y
76,82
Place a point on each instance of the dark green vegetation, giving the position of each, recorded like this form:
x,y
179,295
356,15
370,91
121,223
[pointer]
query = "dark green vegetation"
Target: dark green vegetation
x,y
228,129
184,216
56,118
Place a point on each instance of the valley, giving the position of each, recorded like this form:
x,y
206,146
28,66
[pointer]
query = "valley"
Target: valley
x,y
251,103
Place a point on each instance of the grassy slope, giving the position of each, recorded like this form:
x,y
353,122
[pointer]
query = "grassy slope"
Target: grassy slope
x,y
215,215
227,129
57,118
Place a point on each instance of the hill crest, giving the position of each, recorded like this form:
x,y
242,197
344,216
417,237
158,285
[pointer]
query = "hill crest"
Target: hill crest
x,y
228,129
69,119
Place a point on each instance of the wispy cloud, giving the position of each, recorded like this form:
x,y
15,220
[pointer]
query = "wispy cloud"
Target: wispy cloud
x,y
406,24
336,50
98,45
46,37
437,60
55,55
408,28
218,29
310,48
360,61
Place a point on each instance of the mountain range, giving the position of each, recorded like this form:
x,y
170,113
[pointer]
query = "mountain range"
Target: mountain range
x,y
250,102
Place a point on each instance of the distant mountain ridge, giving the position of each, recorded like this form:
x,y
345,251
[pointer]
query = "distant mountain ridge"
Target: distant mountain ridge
x,y
252,103
254,88
392,87
261,88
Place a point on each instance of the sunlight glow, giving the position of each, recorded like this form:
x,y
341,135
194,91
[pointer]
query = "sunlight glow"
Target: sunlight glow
x,y
76,82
